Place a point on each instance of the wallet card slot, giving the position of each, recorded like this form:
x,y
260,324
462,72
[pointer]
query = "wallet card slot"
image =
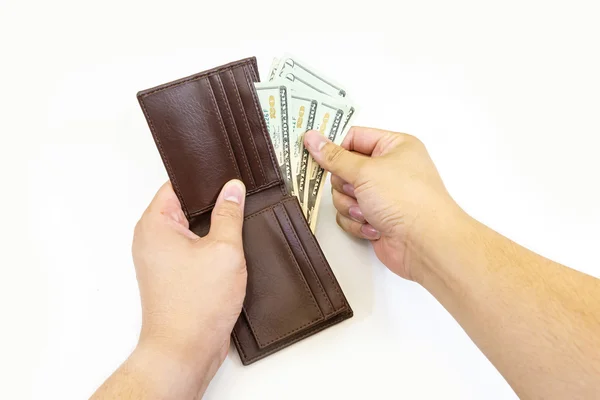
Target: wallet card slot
x,y
256,122
315,255
239,152
278,300
302,258
240,115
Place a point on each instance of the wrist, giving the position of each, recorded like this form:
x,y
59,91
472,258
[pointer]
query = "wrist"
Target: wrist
x,y
184,341
442,248
195,364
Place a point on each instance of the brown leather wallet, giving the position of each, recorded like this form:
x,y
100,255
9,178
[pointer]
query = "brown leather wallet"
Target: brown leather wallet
x,y
209,129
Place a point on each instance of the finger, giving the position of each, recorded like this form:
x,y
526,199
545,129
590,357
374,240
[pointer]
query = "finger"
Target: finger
x,y
228,215
347,206
342,186
165,202
165,206
368,140
363,231
333,158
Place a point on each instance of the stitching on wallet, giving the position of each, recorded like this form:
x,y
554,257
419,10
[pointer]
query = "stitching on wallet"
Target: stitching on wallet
x,y
300,274
327,270
255,69
245,118
198,77
237,134
312,270
264,131
238,343
316,329
254,73
164,157
264,210
250,324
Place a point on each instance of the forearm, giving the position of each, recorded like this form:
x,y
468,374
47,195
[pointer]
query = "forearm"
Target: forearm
x,y
154,372
537,321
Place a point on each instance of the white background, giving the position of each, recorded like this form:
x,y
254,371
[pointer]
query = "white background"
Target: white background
x,y
506,96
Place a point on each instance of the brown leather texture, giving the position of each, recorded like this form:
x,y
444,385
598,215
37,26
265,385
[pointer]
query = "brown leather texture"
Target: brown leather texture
x,y
209,129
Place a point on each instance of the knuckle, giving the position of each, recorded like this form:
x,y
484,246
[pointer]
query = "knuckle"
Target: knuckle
x,y
341,202
344,223
390,217
334,155
366,172
224,246
337,183
338,206
348,225
230,249
338,220
413,140
228,211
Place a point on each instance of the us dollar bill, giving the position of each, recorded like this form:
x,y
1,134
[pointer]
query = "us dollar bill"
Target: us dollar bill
x,y
304,109
330,125
306,78
273,68
275,102
318,176
319,110
302,75
316,190
317,102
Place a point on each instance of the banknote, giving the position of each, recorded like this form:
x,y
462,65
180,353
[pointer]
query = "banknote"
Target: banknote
x,y
275,101
305,77
317,102
273,68
302,75
319,110
315,187
304,110
329,122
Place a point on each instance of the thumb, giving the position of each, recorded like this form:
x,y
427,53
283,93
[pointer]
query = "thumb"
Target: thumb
x,y
333,158
228,215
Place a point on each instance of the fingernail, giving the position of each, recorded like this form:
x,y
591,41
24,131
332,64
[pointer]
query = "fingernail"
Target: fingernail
x,y
370,232
315,140
348,189
234,191
356,213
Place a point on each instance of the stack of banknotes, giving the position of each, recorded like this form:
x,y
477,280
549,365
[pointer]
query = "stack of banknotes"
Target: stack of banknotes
x,y
297,98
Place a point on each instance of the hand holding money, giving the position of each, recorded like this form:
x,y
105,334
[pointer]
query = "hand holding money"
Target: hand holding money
x,y
399,194
296,99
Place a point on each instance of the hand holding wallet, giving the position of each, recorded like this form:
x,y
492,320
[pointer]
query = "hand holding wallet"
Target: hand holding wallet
x,y
209,129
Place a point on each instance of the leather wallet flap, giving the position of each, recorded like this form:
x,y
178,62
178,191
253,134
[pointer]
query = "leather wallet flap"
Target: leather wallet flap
x,y
209,129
